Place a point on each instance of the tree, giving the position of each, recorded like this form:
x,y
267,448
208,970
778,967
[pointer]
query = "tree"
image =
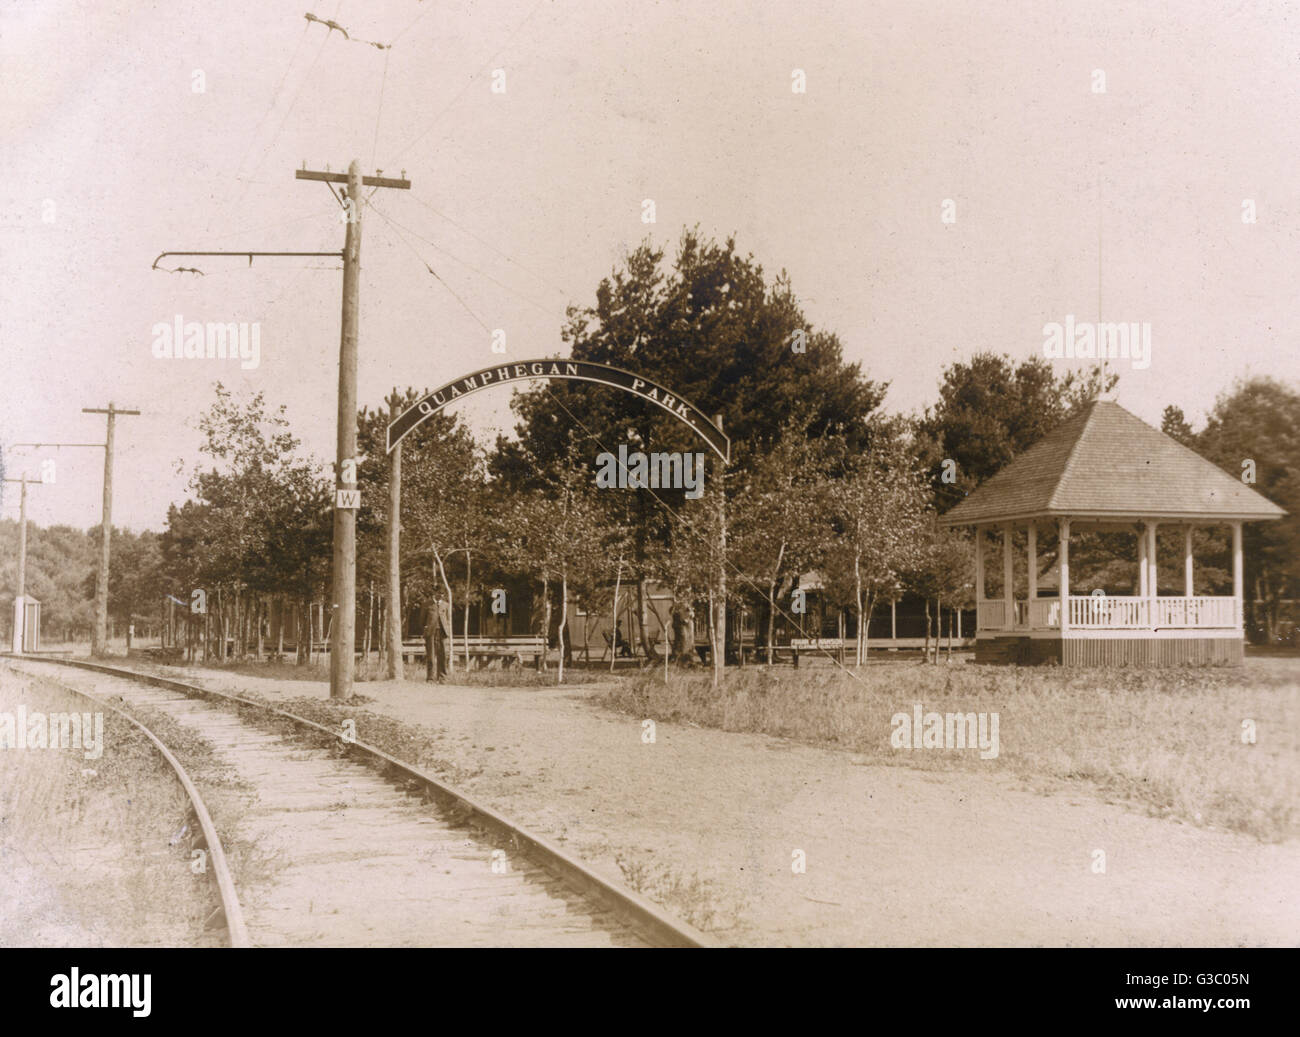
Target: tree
x,y
1174,425
879,514
441,440
990,410
941,572
1258,421
249,482
446,512
718,333
775,534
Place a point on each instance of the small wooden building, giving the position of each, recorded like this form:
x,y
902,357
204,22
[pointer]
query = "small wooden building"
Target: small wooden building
x,y
1104,469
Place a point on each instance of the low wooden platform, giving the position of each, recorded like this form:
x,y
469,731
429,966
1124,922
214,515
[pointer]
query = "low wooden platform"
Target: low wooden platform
x,y
1110,651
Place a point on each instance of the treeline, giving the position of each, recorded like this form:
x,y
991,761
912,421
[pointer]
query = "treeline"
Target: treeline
x,y
61,566
821,480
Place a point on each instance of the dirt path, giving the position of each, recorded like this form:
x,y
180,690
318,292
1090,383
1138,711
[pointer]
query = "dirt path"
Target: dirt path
x,y
707,821
348,860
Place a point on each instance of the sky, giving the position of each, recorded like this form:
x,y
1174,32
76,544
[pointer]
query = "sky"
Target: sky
x,y
523,199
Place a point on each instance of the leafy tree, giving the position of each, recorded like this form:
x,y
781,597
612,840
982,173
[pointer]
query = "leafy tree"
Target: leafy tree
x,y
714,329
879,515
941,572
1258,420
249,480
1174,425
990,409
59,559
775,534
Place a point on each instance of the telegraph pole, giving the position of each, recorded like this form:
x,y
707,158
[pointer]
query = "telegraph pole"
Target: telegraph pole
x,y
20,611
346,496
99,639
22,535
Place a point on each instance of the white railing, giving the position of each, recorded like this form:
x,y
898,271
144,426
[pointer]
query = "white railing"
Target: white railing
x,y
1098,612
1111,612
1044,613
1106,612
991,615
1196,612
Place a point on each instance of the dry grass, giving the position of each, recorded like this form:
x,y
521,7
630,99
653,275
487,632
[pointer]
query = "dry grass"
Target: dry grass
x,y
1169,740
412,743
698,901
91,848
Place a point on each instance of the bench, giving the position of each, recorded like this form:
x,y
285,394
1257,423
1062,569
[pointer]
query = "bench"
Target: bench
x,y
165,655
506,649
817,646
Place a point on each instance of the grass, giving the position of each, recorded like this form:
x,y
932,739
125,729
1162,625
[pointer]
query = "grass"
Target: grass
x,y
698,901
93,848
1168,740
411,743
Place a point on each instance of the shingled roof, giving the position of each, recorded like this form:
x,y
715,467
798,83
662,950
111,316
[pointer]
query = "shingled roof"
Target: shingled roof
x,y
1104,462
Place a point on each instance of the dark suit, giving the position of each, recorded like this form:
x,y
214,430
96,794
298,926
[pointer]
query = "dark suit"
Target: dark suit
x,y
437,640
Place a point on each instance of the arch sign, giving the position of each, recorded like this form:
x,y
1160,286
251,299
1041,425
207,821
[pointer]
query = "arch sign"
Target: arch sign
x,y
570,370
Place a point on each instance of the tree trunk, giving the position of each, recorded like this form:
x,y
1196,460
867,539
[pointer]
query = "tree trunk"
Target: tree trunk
x,y
865,624
713,637
451,607
465,632
771,619
564,618
925,654
857,601
546,619
370,619
302,633
683,644
642,618
613,629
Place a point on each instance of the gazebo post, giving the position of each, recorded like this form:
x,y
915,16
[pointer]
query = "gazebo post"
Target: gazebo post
x,y
1142,560
1032,535
1153,585
1008,579
1063,554
1187,562
1237,589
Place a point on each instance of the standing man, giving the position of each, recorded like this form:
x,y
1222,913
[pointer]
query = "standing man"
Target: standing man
x,y
437,635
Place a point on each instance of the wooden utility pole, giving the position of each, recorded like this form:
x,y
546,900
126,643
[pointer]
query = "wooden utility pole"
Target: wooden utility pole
x,y
99,638
20,612
22,533
347,497
393,631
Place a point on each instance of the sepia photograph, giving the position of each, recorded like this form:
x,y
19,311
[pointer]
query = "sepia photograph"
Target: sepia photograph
x,y
715,474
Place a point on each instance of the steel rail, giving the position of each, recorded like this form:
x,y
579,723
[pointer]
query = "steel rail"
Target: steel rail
x,y
633,909
236,928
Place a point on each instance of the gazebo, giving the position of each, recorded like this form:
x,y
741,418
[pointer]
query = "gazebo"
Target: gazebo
x,y
1105,470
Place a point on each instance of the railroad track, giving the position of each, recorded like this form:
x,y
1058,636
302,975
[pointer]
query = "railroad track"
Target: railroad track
x,y
396,858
